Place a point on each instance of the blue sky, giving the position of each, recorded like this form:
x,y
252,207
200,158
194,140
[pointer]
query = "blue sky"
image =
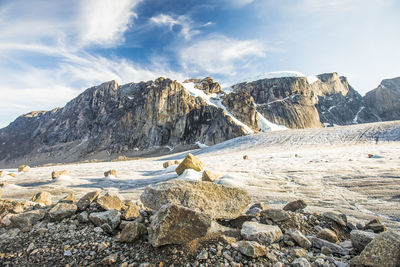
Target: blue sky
x,y
50,51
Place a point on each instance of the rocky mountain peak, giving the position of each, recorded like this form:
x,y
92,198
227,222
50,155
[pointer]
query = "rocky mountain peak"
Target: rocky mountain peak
x,y
207,85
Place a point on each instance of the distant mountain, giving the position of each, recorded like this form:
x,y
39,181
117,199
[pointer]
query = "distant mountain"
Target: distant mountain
x,y
385,100
153,117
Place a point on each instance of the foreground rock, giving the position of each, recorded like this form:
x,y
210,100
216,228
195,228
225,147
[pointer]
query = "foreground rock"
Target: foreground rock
x,y
300,239
384,250
209,176
132,231
62,210
24,168
110,202
108,220
265,234
26,220
174,224
216,201
360,239
42,198
251,248
190,162
85,201
56,174
320,243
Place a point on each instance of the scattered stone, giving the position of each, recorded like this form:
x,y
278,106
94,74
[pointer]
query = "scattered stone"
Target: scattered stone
x,y
209,176
83,217
265,234
298,252
339,218
375,225
384,250
300,239
109,260
109,217
217,201
174,224
62,211
111,172
277,215
326,251
251,248
24,168
70,198
85,201
42,198
359,239
56,174
170,163
300,262
328,235
190,162
245,157
130,211
203,255
110,202
319,243
295,205
12,174
132,231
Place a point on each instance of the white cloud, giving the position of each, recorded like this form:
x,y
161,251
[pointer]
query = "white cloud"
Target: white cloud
x,y
185,23
218,54
105,21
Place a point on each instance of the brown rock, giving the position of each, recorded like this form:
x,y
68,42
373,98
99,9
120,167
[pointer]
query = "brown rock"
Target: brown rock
x,y
1,173
27,219
62,210
111,172
85,201
375,225
130,211
190,162
12,174
245,157
328,235
70,198
132,231
295,205
42,197
111,202
209,176
174,224
56,174
171,162
215,200
251,249
23,168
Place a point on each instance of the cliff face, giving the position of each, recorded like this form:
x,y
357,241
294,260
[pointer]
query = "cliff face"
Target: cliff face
x,y
385,100
297,103
107,120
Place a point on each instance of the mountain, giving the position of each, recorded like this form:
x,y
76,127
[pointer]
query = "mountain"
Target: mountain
x,y
385,100
300,102
154,117
109,120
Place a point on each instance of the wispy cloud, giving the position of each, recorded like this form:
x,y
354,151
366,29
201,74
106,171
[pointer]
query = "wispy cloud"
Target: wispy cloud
x,y
186,26
219,54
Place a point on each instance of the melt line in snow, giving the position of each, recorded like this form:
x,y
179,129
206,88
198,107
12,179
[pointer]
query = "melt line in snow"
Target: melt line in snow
x,y
356,117
265,125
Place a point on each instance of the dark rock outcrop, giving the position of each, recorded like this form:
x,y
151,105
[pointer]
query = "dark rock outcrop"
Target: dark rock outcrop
x,y
106,120
385,100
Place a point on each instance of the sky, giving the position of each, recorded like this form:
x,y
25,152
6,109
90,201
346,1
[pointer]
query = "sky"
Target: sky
x,y
50,51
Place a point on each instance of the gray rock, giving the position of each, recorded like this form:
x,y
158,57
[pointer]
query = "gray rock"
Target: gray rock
x,y
295,205
85,201
217,201
83,217
277,215
26,220
251,249
62,210
109,217
132,231
328,235
300,239
319,243
339,218
300,262
265,234
203,255
360,239
174,224
381,251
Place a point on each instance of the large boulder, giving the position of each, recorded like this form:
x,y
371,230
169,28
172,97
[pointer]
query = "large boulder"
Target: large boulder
x,y
174,224
62,210
132,231
384,250
130,211
42,198
190,162
111,218
263,233
27,219
359,239
209,176
84,202
217,201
